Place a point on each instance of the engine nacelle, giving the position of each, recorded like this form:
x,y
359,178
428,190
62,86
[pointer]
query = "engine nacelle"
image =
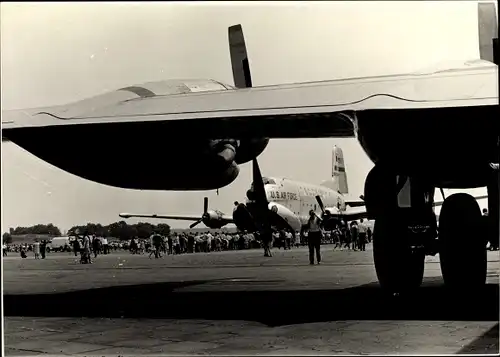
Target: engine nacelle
x,y
129,159
331,222
213,219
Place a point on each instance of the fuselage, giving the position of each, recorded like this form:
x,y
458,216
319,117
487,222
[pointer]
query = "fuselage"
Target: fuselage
x,y
300,197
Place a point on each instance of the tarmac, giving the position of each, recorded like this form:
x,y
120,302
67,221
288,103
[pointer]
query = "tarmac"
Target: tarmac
x,y
238,302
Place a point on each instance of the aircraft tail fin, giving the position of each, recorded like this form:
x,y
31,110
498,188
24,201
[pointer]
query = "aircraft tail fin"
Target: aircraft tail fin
x,y
239,58
338,181
488,30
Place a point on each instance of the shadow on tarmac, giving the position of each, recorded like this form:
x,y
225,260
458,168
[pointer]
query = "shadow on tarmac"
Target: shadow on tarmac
x,y
431,302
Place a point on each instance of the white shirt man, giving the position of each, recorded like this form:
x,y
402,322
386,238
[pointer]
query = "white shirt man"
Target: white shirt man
x,y
36,250
362,227
86,242
314,237
314,224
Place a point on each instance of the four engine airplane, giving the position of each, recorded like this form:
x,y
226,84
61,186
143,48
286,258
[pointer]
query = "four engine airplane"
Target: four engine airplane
x,y
423,131
289,203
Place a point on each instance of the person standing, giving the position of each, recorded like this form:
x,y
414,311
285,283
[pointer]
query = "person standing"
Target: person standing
x,y
76,246
190,243
36,249
289,237
297,239
157,240
43,248
95,245
314,237
152,251
86,249
354,235
266,236
105,246
22,251
170,245
362,235
336,238
486,225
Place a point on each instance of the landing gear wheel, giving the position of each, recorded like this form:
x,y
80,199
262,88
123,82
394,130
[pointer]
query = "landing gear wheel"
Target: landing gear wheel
x,y
462,242
399,268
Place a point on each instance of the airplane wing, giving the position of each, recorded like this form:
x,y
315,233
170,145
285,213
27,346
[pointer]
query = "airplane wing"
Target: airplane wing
x,y
354,213
217,110
224,217
351,214
358,203
181,218
316,109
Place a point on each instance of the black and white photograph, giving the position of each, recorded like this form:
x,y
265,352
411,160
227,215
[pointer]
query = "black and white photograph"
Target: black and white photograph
x,y
250,178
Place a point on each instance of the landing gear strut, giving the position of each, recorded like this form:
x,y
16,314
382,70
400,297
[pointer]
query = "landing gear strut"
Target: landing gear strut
x,y
462,242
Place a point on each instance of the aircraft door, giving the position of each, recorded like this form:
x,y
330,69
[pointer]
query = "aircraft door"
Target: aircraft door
x,y
306,202
294,200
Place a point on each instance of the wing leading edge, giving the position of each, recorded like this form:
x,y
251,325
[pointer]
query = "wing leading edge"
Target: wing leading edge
x,y
473,84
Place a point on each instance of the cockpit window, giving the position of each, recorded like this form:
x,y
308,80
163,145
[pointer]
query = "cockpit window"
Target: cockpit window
x,y
268,181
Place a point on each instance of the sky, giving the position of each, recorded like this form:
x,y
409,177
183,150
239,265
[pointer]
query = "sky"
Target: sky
x,y
56,53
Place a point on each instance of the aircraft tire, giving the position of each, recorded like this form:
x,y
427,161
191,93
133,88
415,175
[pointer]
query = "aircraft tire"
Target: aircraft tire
x,y
399,268
462,244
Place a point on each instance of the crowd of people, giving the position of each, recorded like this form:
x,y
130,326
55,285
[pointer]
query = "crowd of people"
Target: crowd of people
x,y
39,249
89,246
351,236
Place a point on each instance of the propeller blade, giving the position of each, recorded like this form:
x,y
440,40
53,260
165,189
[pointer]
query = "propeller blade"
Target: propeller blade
x,y
192,225
362,197
258,185
205,205
442,193
239,58
320,203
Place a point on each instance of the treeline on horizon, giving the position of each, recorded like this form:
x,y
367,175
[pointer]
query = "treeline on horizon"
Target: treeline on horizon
x,y
121,230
